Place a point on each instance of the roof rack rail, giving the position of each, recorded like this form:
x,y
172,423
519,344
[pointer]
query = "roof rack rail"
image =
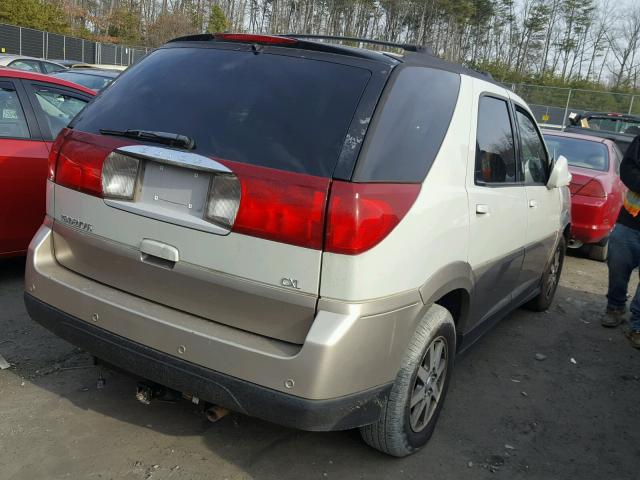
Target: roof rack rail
x,y
404,46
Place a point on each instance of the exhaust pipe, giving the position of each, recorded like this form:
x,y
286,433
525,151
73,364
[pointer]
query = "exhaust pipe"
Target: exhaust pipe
x,y
147,391
573,243
215,413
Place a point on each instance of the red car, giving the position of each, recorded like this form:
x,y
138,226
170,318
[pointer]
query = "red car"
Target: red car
x,y
596,189
33,109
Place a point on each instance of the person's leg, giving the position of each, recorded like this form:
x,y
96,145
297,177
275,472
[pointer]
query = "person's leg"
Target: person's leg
x,y
634,328
621,261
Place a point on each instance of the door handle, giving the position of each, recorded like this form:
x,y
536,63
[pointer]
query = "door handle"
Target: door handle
x,y
482,209
533,204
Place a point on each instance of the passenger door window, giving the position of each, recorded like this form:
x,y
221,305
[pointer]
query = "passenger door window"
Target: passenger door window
x,y
57,109
535,161
13,123
26,65
495,152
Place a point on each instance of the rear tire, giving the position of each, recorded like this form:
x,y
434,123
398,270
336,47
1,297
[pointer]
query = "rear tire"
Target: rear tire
x,y
550,280
404,428
599,251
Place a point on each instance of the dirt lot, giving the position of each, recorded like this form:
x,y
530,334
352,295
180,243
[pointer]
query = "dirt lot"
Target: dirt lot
x,y
507,416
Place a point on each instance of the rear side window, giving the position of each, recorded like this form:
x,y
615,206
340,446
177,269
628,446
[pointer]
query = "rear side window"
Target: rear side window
x,y
495,153
408,130
52,67
276,111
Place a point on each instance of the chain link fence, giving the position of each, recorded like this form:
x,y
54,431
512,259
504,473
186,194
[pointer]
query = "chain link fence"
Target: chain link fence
x,y
552,105
36,43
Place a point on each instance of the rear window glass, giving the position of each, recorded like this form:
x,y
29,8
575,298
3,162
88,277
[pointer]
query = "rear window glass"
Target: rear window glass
x,y
276,111
94,82
613,124
579,153
409,127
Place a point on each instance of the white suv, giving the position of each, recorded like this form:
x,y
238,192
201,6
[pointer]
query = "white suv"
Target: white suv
x,y
298,231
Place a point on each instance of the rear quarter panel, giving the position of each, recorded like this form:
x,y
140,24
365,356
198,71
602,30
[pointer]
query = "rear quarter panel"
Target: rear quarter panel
x,y
433,234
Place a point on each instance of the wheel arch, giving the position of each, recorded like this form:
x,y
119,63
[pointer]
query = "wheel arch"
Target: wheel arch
x,y
451,287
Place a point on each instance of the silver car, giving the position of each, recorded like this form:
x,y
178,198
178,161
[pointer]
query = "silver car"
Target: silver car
x,y
298,231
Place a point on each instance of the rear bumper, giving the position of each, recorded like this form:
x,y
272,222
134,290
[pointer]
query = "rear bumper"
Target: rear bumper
x,y
591,219
335,414
590,233
338,378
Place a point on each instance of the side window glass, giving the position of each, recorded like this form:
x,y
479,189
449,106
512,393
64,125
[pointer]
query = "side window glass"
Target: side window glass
x,y
52,67
13,123
495,153
58,109
535,163
26,65
407,128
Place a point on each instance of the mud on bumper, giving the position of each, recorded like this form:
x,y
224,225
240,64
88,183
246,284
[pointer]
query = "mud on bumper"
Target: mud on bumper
x,y
341,413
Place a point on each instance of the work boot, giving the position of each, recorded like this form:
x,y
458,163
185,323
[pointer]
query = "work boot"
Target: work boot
x,y
613,317
634,338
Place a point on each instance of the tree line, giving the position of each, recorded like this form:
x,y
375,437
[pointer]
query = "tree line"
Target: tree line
x,y
582,43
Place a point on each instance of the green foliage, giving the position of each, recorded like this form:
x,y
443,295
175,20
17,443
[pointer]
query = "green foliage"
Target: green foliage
x,y
124,25
217,20
36,14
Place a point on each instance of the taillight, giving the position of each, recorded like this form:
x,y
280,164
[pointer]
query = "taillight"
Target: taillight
x,y
80,168
280,206
593,188
574,187
55,152
361,215
250,38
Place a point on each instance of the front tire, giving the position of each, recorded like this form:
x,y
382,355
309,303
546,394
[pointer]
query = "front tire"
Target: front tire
x,y
410,415
550,280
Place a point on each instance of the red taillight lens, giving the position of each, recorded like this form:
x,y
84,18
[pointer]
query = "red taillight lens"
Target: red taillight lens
x,y
55,152
280,206
80,167
80,159
574,187
593,188
361,215
248,38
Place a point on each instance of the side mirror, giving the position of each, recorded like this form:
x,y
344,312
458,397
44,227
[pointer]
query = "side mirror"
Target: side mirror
x,y
560,176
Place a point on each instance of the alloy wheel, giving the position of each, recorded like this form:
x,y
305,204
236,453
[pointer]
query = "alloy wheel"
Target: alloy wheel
x,y
428,384
554,273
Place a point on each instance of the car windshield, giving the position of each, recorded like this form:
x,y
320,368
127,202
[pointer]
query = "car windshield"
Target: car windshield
x,y
578,152
614,124
94,82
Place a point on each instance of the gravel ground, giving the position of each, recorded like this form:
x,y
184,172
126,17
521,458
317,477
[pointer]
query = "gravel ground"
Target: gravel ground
x,y
573,415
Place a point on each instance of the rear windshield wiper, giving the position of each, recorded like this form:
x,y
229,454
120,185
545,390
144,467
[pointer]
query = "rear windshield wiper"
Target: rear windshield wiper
x,y
171,139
